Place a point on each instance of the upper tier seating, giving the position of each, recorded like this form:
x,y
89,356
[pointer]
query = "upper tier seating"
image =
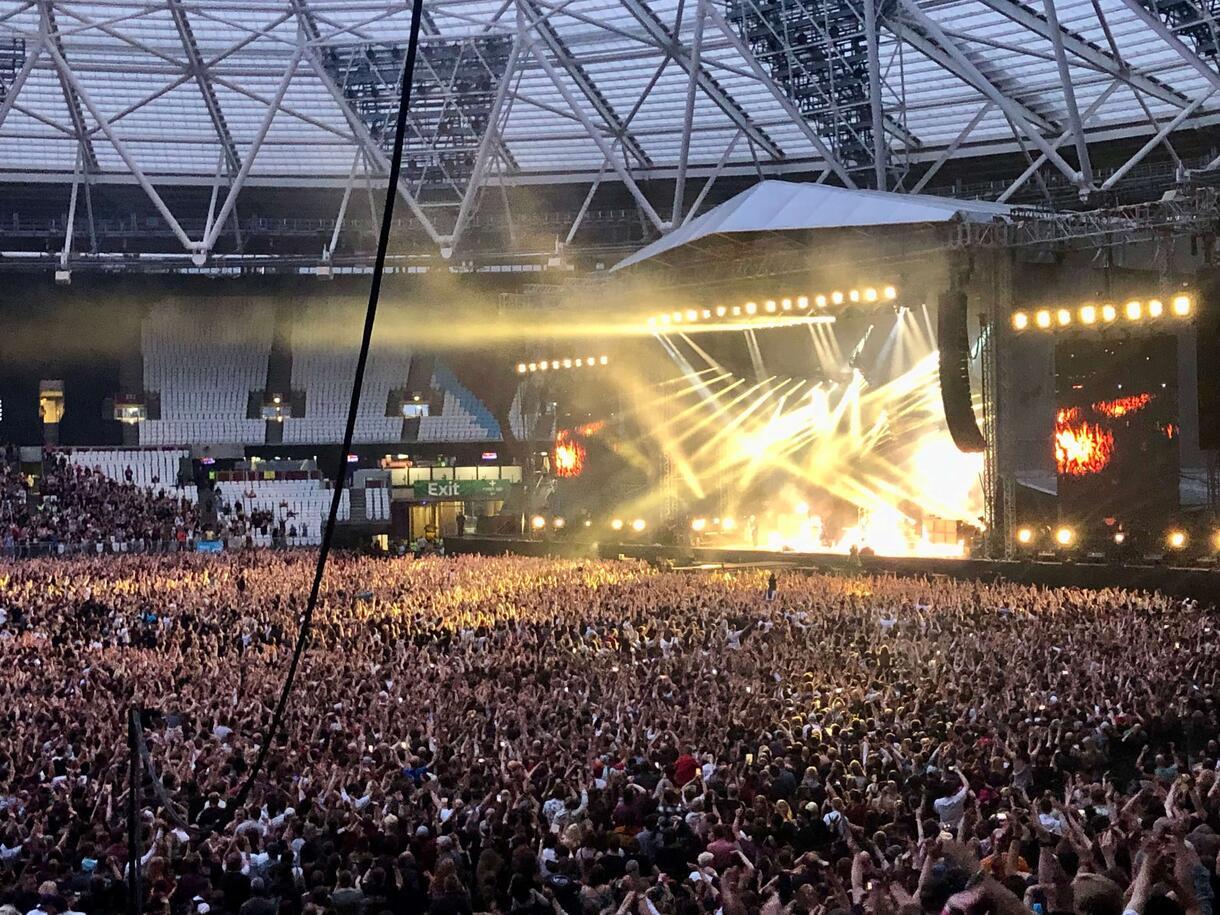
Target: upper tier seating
x,y
326,342
204,364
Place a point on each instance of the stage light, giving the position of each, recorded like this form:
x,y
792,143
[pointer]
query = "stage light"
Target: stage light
x,y
580,363
1025,535
1064,536
1043,319
1088,314
1108,313
604,360
707,313
652,322
1156,308
1181,305
589,361
554,363
638,525
677,316
1120,538
617,524
1176,540
588,522
1134,310
698,525
557,523
870,294
692,315
521,369
890,292
1065,317
533,366
770,306
664,319
836,297
820,301
721,311
567,363
1020,321
786,304
543,365
736,311
728,524
854,295
751,308
537,522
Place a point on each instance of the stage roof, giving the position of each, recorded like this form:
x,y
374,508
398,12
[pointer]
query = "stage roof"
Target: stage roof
x,y
779,206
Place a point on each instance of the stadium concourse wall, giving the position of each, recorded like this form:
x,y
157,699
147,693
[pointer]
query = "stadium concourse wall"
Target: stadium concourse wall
x,y
1201,584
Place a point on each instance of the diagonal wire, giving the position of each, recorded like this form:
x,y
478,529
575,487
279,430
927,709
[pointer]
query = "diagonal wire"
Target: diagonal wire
x,y
387,220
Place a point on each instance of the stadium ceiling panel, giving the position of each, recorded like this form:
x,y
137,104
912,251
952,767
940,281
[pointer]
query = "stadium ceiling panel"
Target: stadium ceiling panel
x,y
231,94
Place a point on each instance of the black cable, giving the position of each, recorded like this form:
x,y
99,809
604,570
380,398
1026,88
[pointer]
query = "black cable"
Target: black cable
x,y
383,243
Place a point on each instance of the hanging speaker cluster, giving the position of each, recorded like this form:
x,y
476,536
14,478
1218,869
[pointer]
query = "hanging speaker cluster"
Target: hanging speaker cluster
x,y
953,340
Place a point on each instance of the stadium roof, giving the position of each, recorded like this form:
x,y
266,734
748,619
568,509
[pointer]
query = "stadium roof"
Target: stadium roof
x,y
300,92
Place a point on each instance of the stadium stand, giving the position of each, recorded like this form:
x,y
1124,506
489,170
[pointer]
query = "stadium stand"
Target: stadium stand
x,y
462,417
325,348
204,371
297,508
151,468
377,504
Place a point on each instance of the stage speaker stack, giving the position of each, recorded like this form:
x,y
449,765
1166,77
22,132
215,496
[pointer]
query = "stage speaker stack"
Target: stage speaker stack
x,y
1207,343
953,340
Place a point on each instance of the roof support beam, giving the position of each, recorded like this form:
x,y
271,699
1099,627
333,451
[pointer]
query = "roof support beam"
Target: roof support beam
x,y
14,88
489,143
932,50
239,180
1014,111
688,114
703,191
1033,167
71,226
67,76
1152,144
880,145
1166,34
660,34
952,147
1069,96
1089,54
594,132
203,81
780,96
51,38
372,149
541,24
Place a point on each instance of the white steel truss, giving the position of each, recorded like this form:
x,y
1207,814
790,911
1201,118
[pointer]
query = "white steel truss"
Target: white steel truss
x,y
293,94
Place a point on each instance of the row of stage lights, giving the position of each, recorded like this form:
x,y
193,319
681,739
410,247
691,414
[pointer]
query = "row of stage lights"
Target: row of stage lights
x,y
543,365
539,524
869,294
1180,306
1066,538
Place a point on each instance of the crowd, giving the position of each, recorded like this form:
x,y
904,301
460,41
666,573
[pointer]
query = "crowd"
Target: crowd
x,y
74,508
518,735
